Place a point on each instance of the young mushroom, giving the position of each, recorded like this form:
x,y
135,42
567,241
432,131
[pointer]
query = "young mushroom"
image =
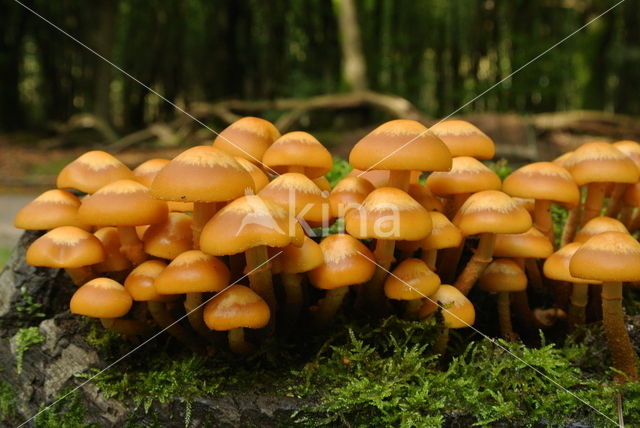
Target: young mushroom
x,y
298,152
412,281
91,171
53,208
248,138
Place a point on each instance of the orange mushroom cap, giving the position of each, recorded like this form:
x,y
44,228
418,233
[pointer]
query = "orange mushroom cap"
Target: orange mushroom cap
x,y
608,257
299,149
65,247
248,137
503,275
467,175
101,298
599,162
491,211
91,171
544,181
140,282
464,139
457,312
170,238
557,265
237,306
411,279
193,272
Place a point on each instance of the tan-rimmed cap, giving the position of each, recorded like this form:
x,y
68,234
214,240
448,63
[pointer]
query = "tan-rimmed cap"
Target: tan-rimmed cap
x,y
556,266
411,279
503,275
459,312
348,193
300,150
322,183
544,181
259,178
424,197
193,272
297,192
65,247
379,178
629,148
170,238
599,162
301,259
467,175
248,137
464,139
236,307
347,261
140,282
147,171
608,257
530,244
51,209
248,222
91,171
491,211
401,145
101,298
599,225
388,213
114,260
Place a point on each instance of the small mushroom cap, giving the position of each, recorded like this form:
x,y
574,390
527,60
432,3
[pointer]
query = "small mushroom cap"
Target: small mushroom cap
x,y
101,298
424,197
530,244
411,279
379,178
464,139
193,272
259,178
298,192
404,145
114,260
560,160
122,203
629,148
544,181
147,171
322,183
347,261
388,213
140,282
170,238
598,225
444,234
91,171
201,174
349,193
248,222
503,275
608,257
600,162
53,208
467,175
457,310
237,306
492,211
65,247
301,259
299,149
248,137
557,265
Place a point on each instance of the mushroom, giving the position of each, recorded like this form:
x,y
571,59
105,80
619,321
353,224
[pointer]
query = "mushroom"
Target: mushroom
x,y
348,193
169,239
503,276
114,262
298,152
91,171
346,262
411,280
107,300
146,172
612,257
69,248
248,137
53,208
234,309
464,139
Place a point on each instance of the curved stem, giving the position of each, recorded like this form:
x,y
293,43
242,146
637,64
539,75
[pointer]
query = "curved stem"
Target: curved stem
x,y
478,263
626,214
261,281
237,343
131,245
399,179
192,305
430,257
449,262
166,321
634,223
329,305
533,273
81,274
615,201
577,308
412,309
523,311
375,287
570,227
504,317
622,353
542,218
125,327
202,212
292,284
595,199
440,346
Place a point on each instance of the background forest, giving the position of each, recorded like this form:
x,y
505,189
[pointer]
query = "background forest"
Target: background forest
x,y
438,54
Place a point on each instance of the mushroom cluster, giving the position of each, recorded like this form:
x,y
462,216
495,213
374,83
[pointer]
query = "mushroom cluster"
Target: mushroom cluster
x,y
235,235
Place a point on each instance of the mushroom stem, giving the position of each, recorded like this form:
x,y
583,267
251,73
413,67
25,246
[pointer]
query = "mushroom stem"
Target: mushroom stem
x,y
412,309
478,263
626,214
81,274
504,317
384,258
131,245
329,305
523,312
296,168
594,201
399,179
449,262
634,223
260,279
193,307
615,201
292,283
533,273
166,321
542,218
440,345
570,226
454,203
622,353
237,343
202,213
125,327
430,258
577,308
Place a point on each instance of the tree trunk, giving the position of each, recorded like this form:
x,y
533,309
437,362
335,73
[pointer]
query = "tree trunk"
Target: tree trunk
x,y
354,64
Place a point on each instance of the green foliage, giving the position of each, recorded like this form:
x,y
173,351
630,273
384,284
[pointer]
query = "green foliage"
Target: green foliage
x,y
339,171
160,379
501,167
69,412
25,339
5,253
105,341
559,217
27,307
7,400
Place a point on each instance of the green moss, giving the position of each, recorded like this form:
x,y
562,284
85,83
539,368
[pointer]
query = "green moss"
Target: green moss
x,y
105,341
501,167
339,171
27,307
7,401
69,412
25,339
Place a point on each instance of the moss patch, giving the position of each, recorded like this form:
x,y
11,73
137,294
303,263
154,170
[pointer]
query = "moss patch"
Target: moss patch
x,y
67,413
25,339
